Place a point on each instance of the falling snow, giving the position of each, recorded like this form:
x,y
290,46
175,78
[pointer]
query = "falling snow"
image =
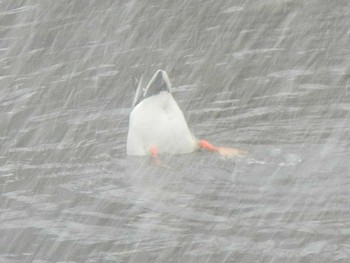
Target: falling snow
x,y
270,77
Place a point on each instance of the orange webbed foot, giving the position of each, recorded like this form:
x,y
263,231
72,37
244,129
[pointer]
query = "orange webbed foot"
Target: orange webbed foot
x,y
223,151
231,152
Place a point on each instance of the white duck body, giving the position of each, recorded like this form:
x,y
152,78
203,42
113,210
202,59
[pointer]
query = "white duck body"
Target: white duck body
x,y
157,121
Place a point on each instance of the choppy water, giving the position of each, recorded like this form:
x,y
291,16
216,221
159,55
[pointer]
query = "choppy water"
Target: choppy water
x,y
270,76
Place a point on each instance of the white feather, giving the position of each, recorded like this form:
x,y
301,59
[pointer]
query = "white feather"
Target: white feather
x,y
158,121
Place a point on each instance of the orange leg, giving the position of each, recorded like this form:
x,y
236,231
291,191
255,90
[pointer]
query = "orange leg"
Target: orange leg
x,y
155,155
203,144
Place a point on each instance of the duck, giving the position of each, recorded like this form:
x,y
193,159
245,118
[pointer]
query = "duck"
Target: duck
x,y
157,124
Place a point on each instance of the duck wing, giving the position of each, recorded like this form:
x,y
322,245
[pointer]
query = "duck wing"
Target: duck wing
x,y
158,83
139,92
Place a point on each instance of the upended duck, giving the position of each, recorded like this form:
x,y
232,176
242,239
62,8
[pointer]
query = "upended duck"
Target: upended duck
x,y
157,124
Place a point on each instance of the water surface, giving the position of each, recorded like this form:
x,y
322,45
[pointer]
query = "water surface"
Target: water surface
x,y
271,77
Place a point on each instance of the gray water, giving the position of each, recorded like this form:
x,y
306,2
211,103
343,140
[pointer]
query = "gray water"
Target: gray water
x,y
271,77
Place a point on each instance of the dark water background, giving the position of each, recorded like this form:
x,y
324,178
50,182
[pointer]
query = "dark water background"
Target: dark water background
x,y
272,77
